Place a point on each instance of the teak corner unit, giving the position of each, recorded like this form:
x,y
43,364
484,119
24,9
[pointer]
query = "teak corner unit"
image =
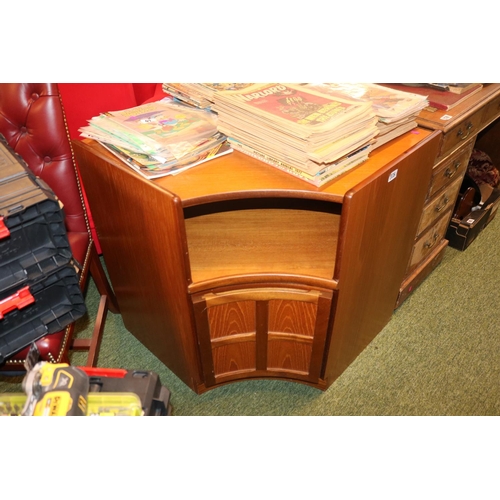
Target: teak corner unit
x,y
235,270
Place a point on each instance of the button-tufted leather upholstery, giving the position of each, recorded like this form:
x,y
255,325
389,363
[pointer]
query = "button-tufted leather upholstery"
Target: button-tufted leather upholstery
x,y
33,122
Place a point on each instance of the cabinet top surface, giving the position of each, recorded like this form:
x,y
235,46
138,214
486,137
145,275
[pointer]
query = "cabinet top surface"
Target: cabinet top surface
x,y
444,120
236,174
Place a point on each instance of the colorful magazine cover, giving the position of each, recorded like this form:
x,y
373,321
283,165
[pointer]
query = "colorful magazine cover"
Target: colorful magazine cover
x,y
165,122
294,105
387,103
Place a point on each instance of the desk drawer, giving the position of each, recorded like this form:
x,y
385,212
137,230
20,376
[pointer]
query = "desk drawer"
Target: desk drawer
x,y
414,279
429,240
450,168
491,111
459,134
440,203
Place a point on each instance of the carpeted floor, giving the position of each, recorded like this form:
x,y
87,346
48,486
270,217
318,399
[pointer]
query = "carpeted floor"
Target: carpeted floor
x,y
439,354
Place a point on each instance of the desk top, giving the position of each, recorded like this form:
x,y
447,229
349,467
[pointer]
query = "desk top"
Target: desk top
x,y
236,175
446,120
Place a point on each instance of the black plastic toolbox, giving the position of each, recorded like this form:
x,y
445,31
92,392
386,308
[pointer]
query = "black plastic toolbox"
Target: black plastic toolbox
x,y
33,237
39,281
45,307
33,249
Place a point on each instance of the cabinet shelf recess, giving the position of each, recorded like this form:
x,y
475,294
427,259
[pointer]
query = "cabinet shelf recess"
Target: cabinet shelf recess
x,y
262,236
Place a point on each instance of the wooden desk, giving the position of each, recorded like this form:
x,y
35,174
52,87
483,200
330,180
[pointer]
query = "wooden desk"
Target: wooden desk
x,y
460,127
236,270
465,121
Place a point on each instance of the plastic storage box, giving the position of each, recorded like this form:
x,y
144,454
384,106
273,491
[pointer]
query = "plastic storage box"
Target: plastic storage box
x,y
33,237
39,281
45,307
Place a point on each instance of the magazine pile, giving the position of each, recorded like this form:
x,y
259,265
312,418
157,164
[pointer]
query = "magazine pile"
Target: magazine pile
x,y
396,110
311,135
159,138
200,95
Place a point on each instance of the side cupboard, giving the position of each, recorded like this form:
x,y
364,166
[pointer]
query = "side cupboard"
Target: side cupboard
x,y
234,270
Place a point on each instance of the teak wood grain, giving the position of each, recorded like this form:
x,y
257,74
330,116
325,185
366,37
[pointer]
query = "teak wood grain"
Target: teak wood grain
x,y
235,270
377,242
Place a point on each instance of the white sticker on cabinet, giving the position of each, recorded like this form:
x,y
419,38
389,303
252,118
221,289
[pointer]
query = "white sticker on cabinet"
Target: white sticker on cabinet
x,y
393,175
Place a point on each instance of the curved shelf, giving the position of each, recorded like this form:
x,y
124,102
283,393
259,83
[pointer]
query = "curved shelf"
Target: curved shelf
x,y
257,279
261,237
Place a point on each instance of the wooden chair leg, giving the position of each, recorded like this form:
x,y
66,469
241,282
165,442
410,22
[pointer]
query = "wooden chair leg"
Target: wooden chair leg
x,y
92,344
101,280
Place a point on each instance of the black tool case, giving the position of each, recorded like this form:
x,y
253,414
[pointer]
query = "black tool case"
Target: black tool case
x,y
34,311
39,282
33,238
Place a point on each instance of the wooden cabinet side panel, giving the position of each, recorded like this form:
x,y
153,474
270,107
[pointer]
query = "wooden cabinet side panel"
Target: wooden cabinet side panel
x,y
379,222
141,231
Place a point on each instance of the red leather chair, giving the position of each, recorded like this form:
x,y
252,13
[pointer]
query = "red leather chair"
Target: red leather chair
x,y
32,120
82,101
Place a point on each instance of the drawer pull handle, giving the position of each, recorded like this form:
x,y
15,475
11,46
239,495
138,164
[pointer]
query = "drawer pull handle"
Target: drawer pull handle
x,y
451,172
461,135
445,202
430,244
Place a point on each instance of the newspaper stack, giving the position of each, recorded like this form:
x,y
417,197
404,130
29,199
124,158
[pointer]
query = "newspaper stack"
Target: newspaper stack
x,y
312,135
396,111
159,138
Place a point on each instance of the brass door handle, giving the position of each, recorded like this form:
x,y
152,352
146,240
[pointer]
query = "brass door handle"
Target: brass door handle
x,y
445,202
430,244
468,129
450,172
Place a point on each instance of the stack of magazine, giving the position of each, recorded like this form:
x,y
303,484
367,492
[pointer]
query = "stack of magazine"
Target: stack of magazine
x,y
311,135
200,95
159,138
279,123
396,110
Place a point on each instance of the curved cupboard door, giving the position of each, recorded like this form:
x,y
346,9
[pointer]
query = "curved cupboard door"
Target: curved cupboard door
x,y
264,331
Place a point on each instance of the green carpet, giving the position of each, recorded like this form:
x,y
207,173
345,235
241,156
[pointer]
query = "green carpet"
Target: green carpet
x,y
439,354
